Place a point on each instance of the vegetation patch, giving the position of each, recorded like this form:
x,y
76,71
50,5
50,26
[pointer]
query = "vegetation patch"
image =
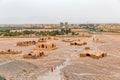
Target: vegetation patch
x,y
24,70
2,77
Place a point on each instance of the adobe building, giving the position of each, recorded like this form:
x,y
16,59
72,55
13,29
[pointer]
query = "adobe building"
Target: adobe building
x,y
87,48
81,32
34,55
42,39
46,46
46,38
78,43
9,51
26,43
97,40
67,40
93,54
54,38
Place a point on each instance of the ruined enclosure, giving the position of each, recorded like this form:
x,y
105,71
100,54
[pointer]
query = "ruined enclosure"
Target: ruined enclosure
x,y
9,51
97,40
42,40
81,32
55,38
68,40
93,54
84,34
87,48
46,46
26,43
79,43
34,55
46,38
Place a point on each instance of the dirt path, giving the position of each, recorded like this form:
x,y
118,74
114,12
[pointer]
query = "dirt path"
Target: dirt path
x,y
6,62
56,74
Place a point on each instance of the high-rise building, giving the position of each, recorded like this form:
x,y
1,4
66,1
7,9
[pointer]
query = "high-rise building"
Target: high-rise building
x,y
66,24
61,24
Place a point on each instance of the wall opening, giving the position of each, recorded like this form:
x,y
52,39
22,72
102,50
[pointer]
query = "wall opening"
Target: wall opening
x,y
52,45
87,54
42,46
103,55
75,43
29,54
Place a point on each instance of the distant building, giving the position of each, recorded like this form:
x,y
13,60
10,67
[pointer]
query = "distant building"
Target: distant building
x,y
81,32
33,25
36,30
64,25
42,25
61,24
110,27
11,25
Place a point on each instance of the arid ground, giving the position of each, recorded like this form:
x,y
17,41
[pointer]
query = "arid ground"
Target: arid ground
x,y
69,65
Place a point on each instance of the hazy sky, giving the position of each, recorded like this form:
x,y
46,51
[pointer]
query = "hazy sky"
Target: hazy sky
x,y
54,11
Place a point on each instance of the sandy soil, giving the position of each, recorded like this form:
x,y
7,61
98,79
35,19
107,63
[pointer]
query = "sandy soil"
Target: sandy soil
x,y
107,68
66,58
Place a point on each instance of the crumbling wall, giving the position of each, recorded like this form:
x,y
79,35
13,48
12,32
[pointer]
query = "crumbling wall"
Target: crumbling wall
x,y
26,43
9,51
46,46
34,55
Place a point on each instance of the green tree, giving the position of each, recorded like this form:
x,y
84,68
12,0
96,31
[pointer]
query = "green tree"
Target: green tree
x,y
54,33
67,31
62,31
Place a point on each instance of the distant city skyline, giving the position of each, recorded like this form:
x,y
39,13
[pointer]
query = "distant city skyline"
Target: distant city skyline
x,y
56,11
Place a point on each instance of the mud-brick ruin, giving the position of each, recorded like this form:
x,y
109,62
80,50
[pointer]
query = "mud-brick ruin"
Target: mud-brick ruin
x,y
9,51
52,38
87,48
34,55
68,40
81,32
26,43
46,38
46,46
42,39
55,38
97,40
93,54
79,43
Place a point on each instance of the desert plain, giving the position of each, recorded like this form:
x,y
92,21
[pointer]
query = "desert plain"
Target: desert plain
x,y
65,59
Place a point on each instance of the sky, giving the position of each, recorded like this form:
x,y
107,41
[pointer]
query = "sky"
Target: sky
x,y
55,11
